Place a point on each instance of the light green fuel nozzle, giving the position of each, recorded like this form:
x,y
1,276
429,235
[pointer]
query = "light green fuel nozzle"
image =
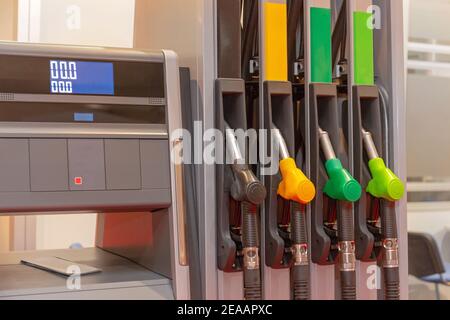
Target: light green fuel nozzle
x,y
384,184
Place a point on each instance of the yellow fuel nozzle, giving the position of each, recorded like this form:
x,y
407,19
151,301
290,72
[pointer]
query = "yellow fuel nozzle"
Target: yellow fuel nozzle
x,y
295,186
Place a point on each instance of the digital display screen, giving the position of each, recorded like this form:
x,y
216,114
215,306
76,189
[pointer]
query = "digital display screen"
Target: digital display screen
x,y
81,77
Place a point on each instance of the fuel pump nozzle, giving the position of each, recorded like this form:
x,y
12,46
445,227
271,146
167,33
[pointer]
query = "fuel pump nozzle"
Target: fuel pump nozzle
x,y
385,185
249,192
296,188
246,187
341,185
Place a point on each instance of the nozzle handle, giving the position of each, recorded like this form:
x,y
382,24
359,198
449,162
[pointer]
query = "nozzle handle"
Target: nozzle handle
x,y
295,186
341,185
246,186
384,184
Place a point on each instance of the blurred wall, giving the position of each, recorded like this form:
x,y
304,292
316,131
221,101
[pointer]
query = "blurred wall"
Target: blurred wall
x,y
429,19
428,114
8,20
428,94
169,24
85,22
8,31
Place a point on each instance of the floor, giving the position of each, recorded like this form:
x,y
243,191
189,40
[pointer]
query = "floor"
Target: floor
x,y
420,290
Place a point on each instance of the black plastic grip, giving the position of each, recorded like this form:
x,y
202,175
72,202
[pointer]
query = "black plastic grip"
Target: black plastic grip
x,y
298,224
389,231
345,223
300,282
391,284
252,277
348,285
249,226
388,220
299,274
252,285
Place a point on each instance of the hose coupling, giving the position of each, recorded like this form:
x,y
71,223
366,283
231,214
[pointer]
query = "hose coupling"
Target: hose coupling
x,y
390,253
251,258
300,254
347,257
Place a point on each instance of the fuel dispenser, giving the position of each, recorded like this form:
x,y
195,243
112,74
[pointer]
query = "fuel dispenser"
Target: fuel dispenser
x,y
269,64
332,229
90,129
287,245
239,192
375,213
295,191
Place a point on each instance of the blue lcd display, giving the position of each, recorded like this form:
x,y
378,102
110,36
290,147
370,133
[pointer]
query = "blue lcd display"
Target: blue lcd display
x,y
81,77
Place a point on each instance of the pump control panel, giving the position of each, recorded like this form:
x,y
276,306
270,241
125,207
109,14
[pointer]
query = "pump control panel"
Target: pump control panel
x,y
83,129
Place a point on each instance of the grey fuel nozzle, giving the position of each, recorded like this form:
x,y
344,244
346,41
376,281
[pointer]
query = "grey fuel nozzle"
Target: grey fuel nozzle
x,y
246,186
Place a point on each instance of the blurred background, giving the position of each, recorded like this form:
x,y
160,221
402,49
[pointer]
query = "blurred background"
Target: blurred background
x,y
428,114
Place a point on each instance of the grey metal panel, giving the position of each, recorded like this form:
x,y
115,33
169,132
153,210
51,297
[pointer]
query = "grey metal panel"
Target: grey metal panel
x,y
154,255
48,165
82,52
29,97
122,160
14,165
97,201
153,154
192,211
177,212
114,269
390,70
82,130
87,161
126,291
120,278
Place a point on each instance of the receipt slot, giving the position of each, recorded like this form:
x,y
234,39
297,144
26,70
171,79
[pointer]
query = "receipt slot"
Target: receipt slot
x,y
89,129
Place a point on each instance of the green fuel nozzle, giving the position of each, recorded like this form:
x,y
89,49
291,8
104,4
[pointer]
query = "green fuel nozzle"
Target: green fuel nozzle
x,y
384,184
341,185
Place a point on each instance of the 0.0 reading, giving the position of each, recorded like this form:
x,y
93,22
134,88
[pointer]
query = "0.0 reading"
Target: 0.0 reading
x,y
81,77
62,74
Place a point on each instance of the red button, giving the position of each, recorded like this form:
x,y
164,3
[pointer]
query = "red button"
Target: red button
x,y
78,181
